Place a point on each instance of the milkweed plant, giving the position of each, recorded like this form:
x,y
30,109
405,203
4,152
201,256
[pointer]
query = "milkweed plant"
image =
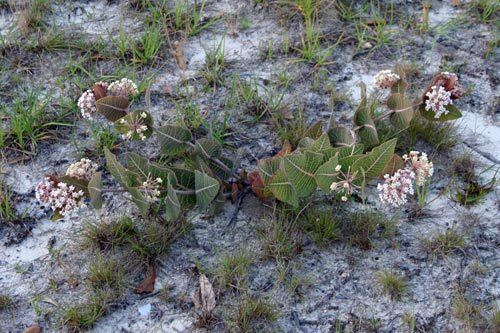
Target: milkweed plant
x,y
340,160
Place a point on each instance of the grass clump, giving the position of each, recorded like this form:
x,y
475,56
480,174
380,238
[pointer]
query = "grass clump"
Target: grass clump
x,y
444,243
215,63
362,227
107,274
469,314
82,316
392,284
252,315
232,270
322,227
6,302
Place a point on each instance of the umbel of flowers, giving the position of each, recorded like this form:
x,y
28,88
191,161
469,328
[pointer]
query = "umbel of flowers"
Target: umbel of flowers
x,y
341,160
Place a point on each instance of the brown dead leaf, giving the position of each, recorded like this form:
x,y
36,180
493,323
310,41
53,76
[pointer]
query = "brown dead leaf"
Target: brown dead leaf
x,y
204,297
147,285
234,193
455,2
99,91
33,329
178,53
286,149
257,184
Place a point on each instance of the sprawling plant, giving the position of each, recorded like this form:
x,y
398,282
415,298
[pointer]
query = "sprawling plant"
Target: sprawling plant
x,y
344,159
193,171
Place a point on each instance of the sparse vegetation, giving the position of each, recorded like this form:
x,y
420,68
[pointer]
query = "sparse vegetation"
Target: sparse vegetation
x,y
445,243
392,284
232,269
252,315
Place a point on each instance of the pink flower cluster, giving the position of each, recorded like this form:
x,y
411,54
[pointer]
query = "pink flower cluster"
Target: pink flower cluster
x,y
396,188
61,197
84,169
385,79
420,165
437,100
87,100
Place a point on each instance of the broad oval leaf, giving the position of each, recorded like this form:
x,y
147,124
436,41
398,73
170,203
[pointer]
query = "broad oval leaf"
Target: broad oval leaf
x,y
300,169
127,125
172,204
453,113
173,139
403,111
112,107
282,189
95,190
326,174
373,163
340,136
206,188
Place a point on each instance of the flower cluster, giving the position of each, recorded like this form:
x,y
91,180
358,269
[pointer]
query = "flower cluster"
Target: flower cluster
x,y
151,188
437,99
61,197
86,103
123,87
87,100
417,170
135,126
84,169
420,166
385,79
396,188
346,186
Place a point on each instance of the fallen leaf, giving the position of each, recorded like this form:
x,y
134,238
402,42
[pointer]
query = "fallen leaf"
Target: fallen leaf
x,y
147,285
286,149
178,54
99,91
33,329
234,193
257,184
204,297
455,2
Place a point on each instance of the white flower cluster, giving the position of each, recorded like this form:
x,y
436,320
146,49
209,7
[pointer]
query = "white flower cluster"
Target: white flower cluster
x,y
151,188
84,169
396,188
345,186
448,75
385,79
86,103
135,126
420,165
61,197
123,87
437,99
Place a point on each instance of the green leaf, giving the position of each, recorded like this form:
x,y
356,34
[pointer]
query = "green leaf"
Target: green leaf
x,y
112,107
346,162
326,174
268,167
173,139
401,85
138,165
453,113
374,162
123,125
139,200
314,131
172,204
185,182
321,144
208,147
300,169
282,189
117,170
95,189
340,136
343,151
403,111
305,143
206,189
363,119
